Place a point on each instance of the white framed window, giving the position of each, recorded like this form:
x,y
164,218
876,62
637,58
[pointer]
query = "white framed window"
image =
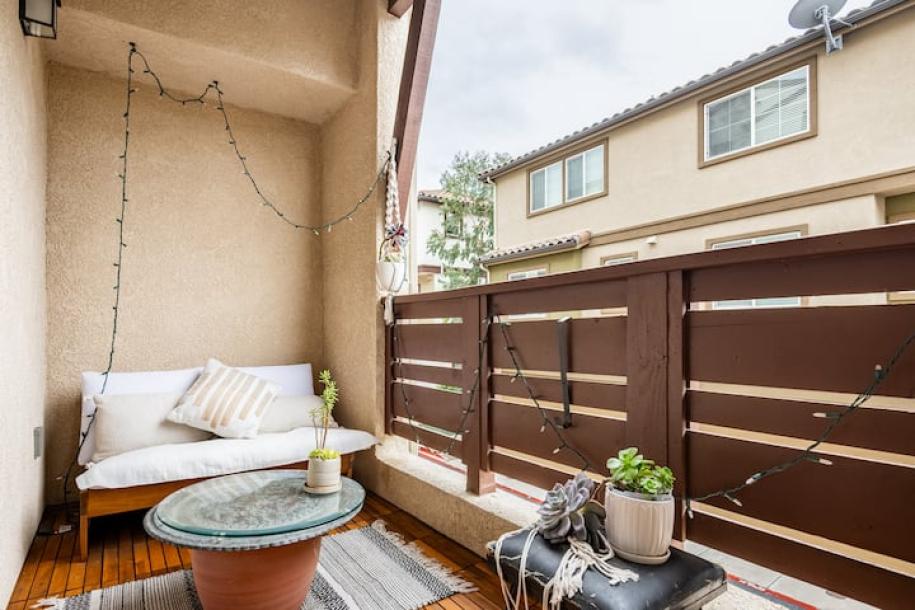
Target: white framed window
x,y
585,173
772,110
574,178
764,302
546,187
524,275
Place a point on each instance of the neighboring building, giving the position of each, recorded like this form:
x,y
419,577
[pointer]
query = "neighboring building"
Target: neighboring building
x,y
425,268
785,143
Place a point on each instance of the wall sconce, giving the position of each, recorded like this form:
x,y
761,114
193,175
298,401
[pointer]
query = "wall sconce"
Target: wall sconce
x,y
39,17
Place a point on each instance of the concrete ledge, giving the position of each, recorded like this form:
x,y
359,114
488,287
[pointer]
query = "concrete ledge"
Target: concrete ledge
x,y
436,496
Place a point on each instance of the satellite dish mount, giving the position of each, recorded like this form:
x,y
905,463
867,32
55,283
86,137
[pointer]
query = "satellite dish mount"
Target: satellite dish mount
x,y
811,13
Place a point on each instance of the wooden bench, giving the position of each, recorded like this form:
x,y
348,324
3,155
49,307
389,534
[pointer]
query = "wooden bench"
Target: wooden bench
x,y
101,502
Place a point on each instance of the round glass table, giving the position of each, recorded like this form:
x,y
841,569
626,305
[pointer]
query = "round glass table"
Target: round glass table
x,y
254,537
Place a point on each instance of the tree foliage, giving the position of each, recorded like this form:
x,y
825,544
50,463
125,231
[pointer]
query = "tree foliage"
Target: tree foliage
x,y
467,227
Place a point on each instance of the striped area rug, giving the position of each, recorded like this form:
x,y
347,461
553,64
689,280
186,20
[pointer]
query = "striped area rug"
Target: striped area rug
x,y
364,569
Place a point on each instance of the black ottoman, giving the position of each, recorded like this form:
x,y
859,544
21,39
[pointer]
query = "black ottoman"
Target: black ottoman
x,y
683,581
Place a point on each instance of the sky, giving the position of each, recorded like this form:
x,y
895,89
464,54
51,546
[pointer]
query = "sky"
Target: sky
x,y
512,75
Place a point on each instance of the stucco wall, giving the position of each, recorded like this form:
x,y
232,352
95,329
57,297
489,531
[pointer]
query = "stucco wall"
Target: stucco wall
x,y
833,217
553,263
207,271
23,166
865,98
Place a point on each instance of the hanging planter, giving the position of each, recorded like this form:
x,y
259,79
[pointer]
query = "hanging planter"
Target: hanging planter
x,y
391,269
640,508
390,275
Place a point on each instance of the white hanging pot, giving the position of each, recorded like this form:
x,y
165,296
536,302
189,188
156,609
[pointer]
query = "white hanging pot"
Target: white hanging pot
x,y
639,526
390,275
323,476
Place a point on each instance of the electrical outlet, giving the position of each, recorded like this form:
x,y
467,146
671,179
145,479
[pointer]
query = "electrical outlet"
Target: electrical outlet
x,y
37,442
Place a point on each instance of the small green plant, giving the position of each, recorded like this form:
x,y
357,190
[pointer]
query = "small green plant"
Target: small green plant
x,y
321,416
324,454
630,471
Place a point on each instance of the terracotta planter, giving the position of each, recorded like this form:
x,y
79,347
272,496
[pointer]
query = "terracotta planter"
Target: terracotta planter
x,y
323,475
639,528
390,275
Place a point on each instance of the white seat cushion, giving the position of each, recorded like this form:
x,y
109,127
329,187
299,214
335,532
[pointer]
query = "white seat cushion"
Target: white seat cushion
x,y
214,458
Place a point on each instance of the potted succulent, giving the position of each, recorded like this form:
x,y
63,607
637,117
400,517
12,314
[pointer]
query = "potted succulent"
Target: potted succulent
x,y
324,463
640,507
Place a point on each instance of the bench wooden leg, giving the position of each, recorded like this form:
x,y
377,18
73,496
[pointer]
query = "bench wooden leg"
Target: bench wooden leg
x,y
83,529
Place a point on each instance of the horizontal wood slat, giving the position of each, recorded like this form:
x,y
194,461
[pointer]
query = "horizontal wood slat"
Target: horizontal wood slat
x,y
861,581
431,407
429,439
438,307
596,346
593,295
881,271
864,504
518,428
430,374
891,431
440,342
535,475
596,395
822,348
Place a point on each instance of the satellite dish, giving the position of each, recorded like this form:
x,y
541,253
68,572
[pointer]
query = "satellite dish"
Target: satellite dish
x,y
811,13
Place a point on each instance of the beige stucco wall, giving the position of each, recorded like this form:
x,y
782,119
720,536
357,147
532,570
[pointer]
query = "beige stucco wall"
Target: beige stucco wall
x,y
285,57
553,263
865,100
22,288
207,271
833,217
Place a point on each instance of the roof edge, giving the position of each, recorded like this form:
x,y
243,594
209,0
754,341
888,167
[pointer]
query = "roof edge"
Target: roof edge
x,y
655,102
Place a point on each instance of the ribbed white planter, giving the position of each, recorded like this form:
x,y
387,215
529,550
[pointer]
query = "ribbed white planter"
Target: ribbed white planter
x,y
638,528
390,275
323,475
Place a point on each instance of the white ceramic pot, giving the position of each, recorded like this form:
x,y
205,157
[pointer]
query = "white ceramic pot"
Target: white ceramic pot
x,y
390,275
639,528
323,475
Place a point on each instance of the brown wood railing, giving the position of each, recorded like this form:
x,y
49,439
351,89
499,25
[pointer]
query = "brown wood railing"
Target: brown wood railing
x,y
717,394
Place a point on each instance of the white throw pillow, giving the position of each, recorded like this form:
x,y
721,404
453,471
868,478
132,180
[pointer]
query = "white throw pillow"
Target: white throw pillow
x,y
287,413
124,422
225,401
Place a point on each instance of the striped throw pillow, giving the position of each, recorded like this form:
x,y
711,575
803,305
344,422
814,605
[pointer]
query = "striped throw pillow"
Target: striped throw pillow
x,y
225,401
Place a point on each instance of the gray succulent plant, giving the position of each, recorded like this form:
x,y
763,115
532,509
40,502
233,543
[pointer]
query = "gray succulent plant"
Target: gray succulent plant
x,y
562,514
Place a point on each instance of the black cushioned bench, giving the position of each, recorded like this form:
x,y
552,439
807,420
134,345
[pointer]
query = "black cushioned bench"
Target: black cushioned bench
x,y
683,581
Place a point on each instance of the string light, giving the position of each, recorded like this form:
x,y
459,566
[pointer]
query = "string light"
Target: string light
x,y
164,94
546,420
881,372
471,393
214,87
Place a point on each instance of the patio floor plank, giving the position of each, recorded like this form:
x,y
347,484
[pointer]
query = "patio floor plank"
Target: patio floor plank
x,y
121,551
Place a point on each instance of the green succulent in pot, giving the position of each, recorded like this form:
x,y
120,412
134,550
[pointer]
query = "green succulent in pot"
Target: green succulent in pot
x,y
631,471
639,507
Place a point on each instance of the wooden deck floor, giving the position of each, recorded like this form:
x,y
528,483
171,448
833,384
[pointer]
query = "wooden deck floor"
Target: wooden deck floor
x,y
120,551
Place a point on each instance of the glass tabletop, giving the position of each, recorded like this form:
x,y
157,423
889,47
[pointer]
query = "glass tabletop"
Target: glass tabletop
x,y
256,504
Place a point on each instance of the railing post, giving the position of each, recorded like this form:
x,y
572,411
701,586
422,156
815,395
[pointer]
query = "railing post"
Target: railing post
x,y
388,378
475,439
646,365
677,416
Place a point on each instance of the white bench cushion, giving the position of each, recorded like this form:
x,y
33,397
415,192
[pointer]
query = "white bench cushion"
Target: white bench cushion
x,y
293,379
214,458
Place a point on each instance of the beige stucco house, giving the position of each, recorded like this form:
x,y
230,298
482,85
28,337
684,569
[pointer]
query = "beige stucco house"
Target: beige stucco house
x,y
426,217
787,142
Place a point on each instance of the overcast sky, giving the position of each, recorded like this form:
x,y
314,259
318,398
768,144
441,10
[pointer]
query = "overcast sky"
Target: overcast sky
x,y
512,75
